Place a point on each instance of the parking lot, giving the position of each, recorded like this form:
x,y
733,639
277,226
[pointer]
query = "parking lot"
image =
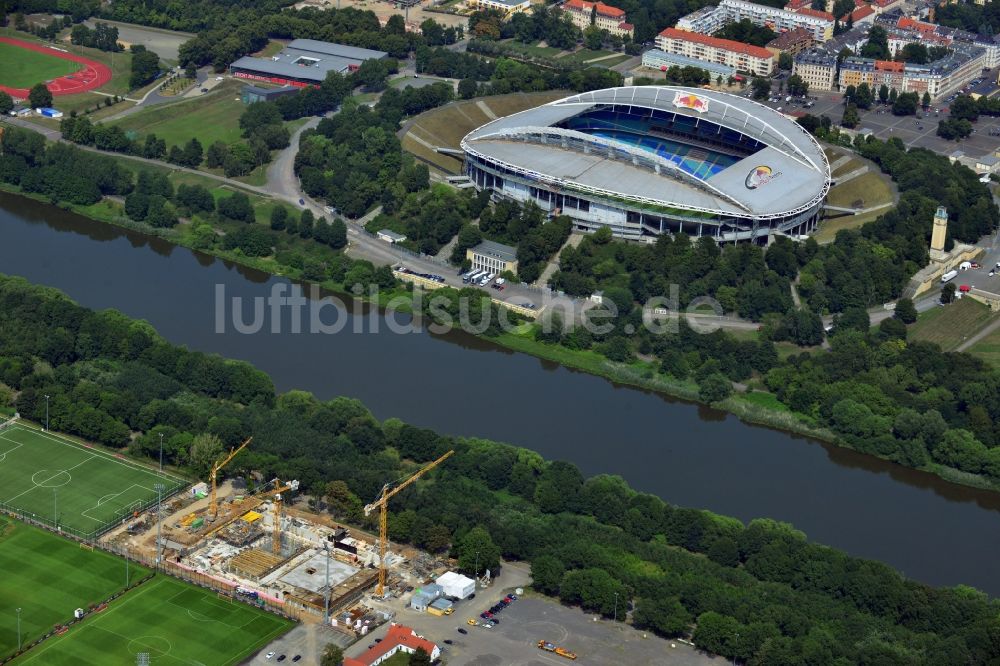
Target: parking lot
x,y
514,642
916,131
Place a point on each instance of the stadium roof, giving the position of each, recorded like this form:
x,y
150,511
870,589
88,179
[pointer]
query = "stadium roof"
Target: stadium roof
x,y
339,50
789,174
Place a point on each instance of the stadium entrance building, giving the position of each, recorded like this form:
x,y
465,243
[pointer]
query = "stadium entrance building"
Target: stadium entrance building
x,y
651,160
304,62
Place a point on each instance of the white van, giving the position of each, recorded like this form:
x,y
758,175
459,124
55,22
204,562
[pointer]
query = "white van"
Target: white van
x,y
949,276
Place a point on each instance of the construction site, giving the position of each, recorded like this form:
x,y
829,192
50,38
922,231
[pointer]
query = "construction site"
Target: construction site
x,y
257,538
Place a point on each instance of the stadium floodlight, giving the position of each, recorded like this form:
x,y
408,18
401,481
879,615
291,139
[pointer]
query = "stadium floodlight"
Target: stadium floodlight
x,y
161,453
326,592
159,544
46,412
18,629
55,507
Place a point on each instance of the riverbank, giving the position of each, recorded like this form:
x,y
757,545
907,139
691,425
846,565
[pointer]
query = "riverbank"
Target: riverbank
x,y
755,407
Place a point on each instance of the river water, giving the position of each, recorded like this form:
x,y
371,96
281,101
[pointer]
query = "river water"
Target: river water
x,y
687,454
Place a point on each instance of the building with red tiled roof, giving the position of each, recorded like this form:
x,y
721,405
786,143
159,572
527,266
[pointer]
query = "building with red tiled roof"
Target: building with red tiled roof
x,y
809,11
796,5
863,14
741,57
398,639
605,17
906,23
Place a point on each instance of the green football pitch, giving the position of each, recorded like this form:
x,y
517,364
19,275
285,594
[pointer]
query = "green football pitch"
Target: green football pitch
x,y
23,68
48,577
172,622
80,488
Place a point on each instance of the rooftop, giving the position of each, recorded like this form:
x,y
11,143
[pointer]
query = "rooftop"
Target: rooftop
x,y
684,61
601,8
498,250
789,152
790,38
397,636
809,11
716,42
309,59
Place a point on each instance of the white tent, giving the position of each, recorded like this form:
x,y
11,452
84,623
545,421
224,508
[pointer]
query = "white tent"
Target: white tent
x,y
456,585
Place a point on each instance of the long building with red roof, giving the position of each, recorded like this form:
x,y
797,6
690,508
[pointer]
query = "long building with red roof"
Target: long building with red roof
x,y
742,57
399,638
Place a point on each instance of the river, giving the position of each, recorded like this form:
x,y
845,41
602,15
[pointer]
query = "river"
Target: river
x,y
687,454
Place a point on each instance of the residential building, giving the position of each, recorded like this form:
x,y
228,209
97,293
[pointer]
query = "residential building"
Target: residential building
x,y
398,639
793,42
506,7
661,60
492,257
817,68
604,17
938,78
742,57
779,20
707,20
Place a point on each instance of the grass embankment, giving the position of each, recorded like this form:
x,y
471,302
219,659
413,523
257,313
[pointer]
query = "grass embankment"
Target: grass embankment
x,y
951,325
865,191
214,116
23,68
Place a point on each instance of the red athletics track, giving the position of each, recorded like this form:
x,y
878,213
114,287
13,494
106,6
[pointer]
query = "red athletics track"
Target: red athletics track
x,y
92,75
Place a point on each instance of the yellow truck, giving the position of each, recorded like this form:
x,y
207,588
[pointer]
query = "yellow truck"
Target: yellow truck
x,y
562,652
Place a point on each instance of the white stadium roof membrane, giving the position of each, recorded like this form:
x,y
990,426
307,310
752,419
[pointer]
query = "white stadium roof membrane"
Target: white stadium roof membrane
x,y
790,174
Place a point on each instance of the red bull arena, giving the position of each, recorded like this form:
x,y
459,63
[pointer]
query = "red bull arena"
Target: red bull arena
x,y
647,161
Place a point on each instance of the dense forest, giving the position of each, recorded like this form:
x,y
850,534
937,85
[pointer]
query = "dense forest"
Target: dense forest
x,y
759,592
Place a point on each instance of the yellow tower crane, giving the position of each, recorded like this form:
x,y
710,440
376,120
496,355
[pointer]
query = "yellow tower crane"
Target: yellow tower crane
x,y
383,528
278,502
213,507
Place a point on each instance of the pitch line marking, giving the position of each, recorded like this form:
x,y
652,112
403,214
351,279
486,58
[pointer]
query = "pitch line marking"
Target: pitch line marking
x,y
48,479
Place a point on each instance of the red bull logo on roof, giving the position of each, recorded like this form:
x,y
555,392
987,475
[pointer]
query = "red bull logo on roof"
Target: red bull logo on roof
x,y
760,176
689,101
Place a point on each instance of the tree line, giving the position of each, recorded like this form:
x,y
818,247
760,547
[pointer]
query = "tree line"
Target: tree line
x,y
760,593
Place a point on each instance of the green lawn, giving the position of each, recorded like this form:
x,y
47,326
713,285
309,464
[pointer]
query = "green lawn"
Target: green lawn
x,y
988,349
175,623
23,68
534,49
950,325
211,117
42,473
48,577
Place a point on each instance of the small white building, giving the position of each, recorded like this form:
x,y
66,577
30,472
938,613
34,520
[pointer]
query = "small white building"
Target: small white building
x,y
390,236
455,585
199,489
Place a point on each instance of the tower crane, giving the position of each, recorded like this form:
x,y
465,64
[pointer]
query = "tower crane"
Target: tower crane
x,y
213,507
278,502
381,503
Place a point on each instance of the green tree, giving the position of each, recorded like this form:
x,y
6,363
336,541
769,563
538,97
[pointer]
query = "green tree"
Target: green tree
x,y
193,153
279,217
467,88
948,293
476,548
851,117
905,311
332,656
6,103
419,656
39,96
341,502
761,87
785,61
205,449
546,573
714,388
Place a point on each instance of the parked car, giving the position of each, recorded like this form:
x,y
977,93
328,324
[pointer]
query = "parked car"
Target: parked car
x,y
462,630
269,655
296,657
281,658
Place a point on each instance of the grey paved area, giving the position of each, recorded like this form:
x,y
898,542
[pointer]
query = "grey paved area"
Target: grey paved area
x,y
513,642
162,42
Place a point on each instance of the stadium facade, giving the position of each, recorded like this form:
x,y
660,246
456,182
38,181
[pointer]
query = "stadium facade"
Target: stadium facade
x,y
653,160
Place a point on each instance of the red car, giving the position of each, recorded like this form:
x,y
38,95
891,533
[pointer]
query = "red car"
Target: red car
x,y
964,288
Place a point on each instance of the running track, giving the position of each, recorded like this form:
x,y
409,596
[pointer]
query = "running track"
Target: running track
x,y
92,75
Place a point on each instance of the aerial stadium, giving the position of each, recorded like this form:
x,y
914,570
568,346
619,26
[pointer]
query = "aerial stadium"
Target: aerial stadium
x,y
655,160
